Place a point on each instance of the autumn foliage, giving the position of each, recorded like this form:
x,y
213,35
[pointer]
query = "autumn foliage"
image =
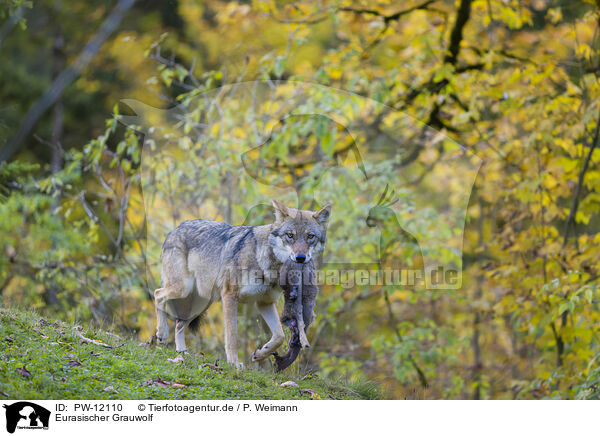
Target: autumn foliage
x,y
514,84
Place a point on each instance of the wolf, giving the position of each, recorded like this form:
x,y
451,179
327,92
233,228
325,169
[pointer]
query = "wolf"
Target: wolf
x,y
203,261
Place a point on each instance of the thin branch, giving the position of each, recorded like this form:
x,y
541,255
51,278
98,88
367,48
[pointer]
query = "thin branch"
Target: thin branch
x,y
388,18
464,12
11,23
310,19
586,164
65,78
394,324
90,341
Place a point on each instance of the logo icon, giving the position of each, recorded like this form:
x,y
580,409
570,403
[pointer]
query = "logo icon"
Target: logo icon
x,y
26,415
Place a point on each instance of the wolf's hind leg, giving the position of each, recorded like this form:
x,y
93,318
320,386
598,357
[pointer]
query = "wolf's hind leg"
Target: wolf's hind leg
x,y
162,326
161,296
180,326
271,317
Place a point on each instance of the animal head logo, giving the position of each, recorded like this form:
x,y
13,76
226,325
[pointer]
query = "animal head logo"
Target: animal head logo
x,y
382,210
25,414
400,189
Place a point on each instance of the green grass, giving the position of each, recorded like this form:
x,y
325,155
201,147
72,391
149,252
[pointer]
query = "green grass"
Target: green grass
x,y
45,348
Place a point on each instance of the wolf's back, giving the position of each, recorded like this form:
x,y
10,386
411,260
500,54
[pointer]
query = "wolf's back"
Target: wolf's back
x,y
199,235
212,241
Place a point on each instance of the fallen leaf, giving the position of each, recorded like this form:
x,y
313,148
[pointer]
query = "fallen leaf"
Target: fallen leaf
x,y
69,355
66,344
40,333
310,393
110,389
289,384
23,371
73,363
215,367
164,383
3,393
178,359
95,377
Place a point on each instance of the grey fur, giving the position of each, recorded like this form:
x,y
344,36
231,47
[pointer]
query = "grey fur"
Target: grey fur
x,y
300,291
203,261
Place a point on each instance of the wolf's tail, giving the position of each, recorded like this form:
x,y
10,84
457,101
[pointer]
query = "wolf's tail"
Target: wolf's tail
x,y
194,324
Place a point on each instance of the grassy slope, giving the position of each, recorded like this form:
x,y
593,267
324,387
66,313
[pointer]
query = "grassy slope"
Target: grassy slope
x,y
46,350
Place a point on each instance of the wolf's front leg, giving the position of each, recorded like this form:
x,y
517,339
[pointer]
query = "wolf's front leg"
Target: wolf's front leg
x,y
271,317
230,326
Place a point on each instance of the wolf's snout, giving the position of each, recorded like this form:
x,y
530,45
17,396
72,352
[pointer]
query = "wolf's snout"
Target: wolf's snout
x,y
300,258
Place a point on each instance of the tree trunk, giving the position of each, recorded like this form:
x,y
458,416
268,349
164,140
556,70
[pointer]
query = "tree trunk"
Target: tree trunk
x,y
58,65
56,161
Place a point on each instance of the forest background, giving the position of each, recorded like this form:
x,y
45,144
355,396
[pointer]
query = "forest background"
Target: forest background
x,y
514,82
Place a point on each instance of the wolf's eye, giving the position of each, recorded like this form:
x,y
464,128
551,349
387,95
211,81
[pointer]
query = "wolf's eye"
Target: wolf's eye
x,y
310,236
289,235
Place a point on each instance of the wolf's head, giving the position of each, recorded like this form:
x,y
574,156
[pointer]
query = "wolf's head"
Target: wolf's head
x,y
298,235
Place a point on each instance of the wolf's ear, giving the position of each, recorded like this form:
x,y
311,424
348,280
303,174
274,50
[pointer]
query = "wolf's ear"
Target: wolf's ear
x,y
322,215
281,211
